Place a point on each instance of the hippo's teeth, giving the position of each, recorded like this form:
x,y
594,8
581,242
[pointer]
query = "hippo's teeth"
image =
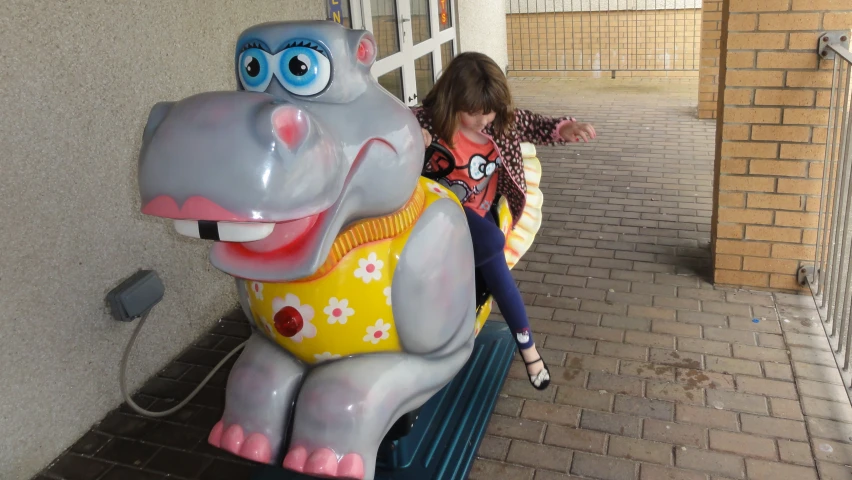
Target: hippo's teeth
x,y
224,231
244,232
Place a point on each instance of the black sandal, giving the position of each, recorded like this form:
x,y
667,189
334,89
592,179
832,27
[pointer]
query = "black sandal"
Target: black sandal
x,y
546,381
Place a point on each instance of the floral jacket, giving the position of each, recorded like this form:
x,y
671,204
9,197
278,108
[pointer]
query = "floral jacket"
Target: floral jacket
x,y
529,127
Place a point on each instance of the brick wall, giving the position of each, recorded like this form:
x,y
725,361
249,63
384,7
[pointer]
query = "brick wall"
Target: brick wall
x,y
771,138
708,83
633,43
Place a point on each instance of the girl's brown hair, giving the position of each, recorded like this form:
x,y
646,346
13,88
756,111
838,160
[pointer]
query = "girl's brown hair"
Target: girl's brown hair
x,y
471,83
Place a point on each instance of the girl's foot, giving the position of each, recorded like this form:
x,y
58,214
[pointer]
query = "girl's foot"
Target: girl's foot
x,y
536,368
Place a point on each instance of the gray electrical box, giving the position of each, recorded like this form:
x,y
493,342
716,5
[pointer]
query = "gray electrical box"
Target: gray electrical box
x,y
136,295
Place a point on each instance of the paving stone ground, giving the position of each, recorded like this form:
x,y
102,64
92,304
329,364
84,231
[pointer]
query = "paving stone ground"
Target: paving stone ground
x,y
658,375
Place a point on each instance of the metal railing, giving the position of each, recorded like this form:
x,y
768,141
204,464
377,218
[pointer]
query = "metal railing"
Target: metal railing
x,y
830,275
603,35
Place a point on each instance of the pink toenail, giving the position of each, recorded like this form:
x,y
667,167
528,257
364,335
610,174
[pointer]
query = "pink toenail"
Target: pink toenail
x,y
233,438
295,459
257,448
322,462
215,437
351,466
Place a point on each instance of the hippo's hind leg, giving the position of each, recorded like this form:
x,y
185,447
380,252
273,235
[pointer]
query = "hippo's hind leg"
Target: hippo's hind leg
x,y
258,400
345,408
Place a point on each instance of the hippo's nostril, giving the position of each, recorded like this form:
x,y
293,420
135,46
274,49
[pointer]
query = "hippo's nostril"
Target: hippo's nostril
x,y
291,125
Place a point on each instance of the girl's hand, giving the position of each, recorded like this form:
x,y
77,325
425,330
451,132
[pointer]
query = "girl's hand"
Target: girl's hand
x,y
572,132
427,137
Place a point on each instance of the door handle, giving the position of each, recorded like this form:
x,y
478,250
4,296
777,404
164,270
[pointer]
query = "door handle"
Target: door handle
x,y
402,22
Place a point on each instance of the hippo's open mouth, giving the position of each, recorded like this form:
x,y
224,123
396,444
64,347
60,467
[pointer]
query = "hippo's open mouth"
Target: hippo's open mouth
x,y
200,217
221,225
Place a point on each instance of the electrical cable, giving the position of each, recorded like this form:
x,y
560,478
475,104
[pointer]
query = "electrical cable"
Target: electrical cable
x,y
123,371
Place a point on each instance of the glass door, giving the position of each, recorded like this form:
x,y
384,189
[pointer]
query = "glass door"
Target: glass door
x,y
415,39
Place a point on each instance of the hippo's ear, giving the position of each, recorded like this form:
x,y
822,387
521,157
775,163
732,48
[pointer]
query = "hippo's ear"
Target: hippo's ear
x,y
155,118
365,48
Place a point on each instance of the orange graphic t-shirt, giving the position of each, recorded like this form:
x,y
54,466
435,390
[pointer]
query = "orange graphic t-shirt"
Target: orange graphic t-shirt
x,y
473,178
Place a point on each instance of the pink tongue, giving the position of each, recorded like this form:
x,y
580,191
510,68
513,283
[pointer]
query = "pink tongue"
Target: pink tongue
x,y
284,234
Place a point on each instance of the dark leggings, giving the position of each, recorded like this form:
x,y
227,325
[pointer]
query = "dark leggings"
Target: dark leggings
x,y
488,244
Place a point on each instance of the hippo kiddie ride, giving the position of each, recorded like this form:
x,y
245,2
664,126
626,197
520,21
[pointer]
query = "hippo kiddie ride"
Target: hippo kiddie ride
x,y
355,272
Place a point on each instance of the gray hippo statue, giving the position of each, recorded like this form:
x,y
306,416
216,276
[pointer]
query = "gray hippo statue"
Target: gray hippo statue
x,y
355,272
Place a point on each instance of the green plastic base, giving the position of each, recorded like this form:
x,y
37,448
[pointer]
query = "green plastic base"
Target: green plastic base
x,y
450,426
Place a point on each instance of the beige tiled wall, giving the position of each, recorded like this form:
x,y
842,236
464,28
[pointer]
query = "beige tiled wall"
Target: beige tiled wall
x,y
711,32
773,132
631,43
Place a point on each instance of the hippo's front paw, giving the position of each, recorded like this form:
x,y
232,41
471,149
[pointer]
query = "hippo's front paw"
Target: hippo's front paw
x,y
323,463
256,447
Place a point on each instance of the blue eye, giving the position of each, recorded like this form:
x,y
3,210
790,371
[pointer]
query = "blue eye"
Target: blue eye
x,y
255,73
305,70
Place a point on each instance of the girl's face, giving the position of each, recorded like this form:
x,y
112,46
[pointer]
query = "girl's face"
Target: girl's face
x,y
476,121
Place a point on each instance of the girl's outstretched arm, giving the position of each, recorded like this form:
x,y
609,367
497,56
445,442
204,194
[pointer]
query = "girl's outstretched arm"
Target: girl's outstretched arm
x,y
544,130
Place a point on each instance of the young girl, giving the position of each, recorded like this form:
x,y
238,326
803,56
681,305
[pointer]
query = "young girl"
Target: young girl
x,y
469,111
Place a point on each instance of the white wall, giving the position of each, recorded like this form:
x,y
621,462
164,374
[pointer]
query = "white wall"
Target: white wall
x,y
77,80
543,6
482,28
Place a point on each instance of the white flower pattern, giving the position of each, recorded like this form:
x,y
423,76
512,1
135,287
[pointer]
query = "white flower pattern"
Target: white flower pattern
x,y
338,311
377,332
387,292
309,330
437,189
325,356
369,268
257,289
263,324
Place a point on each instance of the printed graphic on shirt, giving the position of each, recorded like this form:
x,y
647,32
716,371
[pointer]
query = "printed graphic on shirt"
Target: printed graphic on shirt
x,y
471,179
